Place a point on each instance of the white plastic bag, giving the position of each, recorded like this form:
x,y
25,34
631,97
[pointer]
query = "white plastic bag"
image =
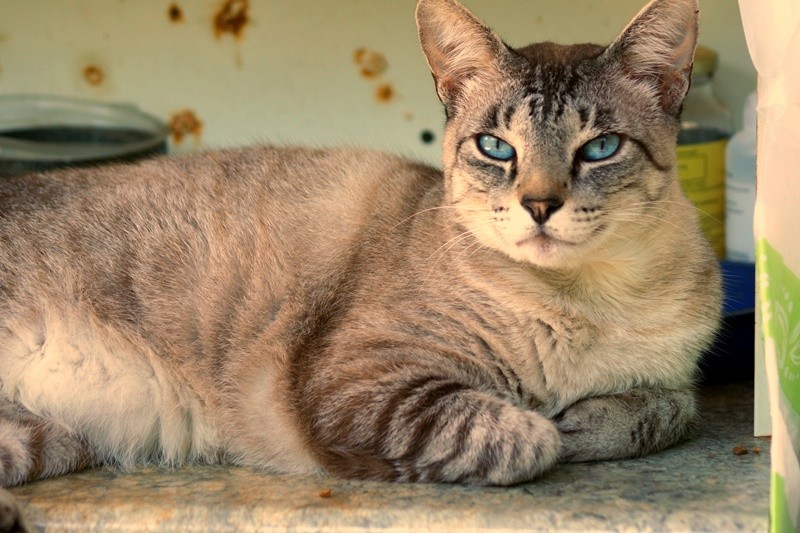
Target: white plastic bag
x,y
772,30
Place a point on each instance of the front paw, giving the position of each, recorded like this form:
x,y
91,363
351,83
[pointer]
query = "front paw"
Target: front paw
x,y
624,425
586,429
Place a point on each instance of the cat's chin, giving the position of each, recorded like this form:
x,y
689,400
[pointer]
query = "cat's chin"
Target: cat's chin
x,y
546,251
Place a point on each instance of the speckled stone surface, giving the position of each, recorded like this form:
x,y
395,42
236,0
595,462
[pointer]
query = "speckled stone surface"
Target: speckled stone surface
x,y
701,485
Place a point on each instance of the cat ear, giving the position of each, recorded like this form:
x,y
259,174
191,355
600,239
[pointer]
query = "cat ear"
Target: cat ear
x,y
456,44
658,48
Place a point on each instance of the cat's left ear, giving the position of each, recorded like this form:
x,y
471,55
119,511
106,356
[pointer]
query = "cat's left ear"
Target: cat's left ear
x,y
658,47
456,44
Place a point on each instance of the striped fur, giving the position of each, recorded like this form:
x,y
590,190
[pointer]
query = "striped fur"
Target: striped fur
x,y
356,313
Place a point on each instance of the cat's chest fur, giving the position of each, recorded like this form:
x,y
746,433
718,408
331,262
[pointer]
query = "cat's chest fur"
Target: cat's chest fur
x,y
564,348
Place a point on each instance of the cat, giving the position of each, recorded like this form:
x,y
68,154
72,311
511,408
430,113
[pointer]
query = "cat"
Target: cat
x,y
544,297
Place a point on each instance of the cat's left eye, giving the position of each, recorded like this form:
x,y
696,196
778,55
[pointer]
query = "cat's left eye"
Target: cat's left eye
x,y
600,148
495,147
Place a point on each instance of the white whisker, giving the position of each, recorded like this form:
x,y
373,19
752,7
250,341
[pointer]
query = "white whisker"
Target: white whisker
x,y
428,210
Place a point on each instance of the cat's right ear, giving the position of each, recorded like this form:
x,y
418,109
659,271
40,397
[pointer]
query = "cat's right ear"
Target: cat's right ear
x,y
456,44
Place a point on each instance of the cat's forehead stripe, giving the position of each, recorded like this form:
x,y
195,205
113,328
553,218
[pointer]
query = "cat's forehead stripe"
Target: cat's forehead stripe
x,y
491,119
586,116
510,111
549,89
554,75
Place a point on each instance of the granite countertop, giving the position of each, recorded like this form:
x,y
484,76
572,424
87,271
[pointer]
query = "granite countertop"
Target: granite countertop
x,y
719,481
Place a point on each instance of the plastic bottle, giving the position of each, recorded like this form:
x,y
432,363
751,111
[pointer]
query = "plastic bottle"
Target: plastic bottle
x,y
705,128
740,188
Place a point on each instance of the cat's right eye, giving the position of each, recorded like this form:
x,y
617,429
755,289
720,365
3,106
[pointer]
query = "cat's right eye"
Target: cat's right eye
x,y
495,147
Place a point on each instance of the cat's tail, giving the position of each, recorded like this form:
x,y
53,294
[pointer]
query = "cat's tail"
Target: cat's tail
x,y
32,447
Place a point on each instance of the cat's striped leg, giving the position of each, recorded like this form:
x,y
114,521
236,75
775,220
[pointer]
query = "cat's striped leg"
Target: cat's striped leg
x,y
427,428
10,514
32,447
628,424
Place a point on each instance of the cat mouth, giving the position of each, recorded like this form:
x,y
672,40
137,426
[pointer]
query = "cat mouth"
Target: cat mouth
x,y
544,241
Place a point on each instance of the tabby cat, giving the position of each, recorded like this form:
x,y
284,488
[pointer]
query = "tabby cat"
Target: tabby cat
x,y
543,298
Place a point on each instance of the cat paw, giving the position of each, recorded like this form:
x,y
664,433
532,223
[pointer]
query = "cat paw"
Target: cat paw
x,y
10,514
14,461
589,430
624,425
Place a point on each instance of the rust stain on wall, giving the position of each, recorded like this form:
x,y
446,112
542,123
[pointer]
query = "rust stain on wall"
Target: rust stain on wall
x,y
372,66
385,92
371,63
184,123
175,13
232,17
93,75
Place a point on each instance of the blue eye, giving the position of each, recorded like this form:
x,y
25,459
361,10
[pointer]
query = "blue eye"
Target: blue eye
x,y
600,148
496,148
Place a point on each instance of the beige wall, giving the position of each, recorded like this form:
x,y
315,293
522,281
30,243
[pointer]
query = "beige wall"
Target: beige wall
x,y
291,75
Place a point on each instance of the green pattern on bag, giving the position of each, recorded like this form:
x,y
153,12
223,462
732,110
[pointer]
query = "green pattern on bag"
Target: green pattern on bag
x,y
780,517
781,318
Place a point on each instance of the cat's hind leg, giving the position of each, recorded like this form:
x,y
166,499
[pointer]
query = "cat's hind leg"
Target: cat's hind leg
x,y
11,520
76,379
33,447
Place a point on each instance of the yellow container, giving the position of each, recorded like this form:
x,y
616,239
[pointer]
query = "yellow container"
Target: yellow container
x,y
705,128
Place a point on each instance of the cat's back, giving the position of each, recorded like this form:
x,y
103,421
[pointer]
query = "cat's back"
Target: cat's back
x,y
288,176
321,197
